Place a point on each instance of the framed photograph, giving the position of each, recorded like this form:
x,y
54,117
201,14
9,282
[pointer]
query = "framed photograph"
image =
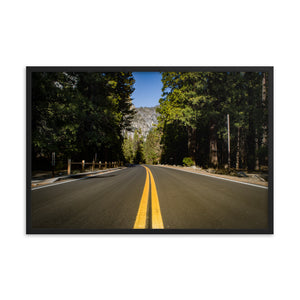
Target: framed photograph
x,y
149,150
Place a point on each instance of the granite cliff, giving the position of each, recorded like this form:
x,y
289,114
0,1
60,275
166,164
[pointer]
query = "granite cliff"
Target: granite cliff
x,y
145,119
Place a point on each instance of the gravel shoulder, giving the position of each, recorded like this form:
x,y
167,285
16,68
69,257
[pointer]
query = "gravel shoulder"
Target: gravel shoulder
x,y
252,178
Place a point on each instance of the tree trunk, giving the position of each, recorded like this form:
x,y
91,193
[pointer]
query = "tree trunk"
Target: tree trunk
x,y
256,152
228,141
251,132
238,150
264,100
192,143
242,149
213,146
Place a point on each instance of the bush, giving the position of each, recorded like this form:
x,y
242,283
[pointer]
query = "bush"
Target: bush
x,y
188,162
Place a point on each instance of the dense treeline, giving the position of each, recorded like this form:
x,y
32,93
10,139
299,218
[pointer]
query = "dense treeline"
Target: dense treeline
x,y
80,115
193,118
83,115
137,149
133,148
152,147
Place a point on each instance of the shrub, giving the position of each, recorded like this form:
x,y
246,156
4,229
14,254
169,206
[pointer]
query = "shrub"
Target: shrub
x,y
188,162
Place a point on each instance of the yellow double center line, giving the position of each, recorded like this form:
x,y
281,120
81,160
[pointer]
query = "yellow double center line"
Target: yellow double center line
x,y
141,218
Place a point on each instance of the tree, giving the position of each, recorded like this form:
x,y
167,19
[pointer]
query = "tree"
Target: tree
x,y
138,148
152,149
193,99
128,149
78,114
54,112
197,103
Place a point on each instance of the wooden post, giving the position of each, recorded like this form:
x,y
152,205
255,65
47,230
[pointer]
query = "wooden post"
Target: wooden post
x,y
228,129
53,163
69,166
93,166
82,165
99,165
105,165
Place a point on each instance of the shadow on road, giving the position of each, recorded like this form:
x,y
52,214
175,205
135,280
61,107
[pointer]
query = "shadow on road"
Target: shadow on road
x,y
100,176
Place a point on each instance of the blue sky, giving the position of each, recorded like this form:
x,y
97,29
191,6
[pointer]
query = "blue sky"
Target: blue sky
x,y
147,89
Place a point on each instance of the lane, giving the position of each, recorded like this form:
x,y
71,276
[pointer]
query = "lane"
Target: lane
x,y
156,218
190,201
165,198
108,201
149,214
141,218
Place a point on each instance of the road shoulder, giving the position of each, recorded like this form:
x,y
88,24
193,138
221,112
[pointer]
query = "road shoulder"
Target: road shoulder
x,y
69,178
248,180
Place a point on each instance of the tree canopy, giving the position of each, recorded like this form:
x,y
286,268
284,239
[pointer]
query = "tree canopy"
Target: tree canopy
x,y
193,117
80,114
88,115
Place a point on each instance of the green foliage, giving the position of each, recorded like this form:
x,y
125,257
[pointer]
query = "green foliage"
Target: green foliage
x,y
138,147
80,114
193,117
127,148
139,154
152,149
188,162
133,148
174,142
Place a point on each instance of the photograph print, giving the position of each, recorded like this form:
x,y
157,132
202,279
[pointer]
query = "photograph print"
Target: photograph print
x,y
149,150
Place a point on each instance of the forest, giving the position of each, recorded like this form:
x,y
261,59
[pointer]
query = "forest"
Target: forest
x,y
79,115
83,115
193,121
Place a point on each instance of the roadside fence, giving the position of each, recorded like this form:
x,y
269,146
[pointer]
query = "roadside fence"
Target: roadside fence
x,y
92,166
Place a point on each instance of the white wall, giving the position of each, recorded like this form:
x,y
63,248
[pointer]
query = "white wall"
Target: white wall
x,y
113,33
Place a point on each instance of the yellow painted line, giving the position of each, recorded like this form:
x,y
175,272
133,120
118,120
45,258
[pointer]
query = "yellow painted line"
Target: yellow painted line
x,y
140,221
157,222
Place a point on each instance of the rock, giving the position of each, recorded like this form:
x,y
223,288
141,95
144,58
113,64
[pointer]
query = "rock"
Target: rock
x,y
260,178
145,119
241,174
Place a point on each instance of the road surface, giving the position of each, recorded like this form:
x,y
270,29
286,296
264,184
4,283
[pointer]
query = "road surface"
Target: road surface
x,y
149,197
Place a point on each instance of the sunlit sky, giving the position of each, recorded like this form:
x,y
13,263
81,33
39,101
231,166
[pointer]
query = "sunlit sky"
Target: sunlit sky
x,y
147,89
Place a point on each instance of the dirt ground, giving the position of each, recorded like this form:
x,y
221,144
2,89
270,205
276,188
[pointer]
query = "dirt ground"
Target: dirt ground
x,y
251,177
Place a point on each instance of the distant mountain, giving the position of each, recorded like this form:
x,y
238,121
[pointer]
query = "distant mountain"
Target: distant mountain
x,y
145,119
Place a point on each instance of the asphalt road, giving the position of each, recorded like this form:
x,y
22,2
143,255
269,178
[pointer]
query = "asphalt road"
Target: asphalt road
x,y
149,197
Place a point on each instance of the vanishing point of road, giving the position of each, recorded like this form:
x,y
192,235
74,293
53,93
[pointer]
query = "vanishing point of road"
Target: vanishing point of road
x,y
149,197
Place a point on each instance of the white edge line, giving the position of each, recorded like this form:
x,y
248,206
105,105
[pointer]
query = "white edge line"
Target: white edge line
x,y
72,180
251,184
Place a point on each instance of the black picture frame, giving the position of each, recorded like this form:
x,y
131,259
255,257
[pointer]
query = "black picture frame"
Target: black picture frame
x,y
268,69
